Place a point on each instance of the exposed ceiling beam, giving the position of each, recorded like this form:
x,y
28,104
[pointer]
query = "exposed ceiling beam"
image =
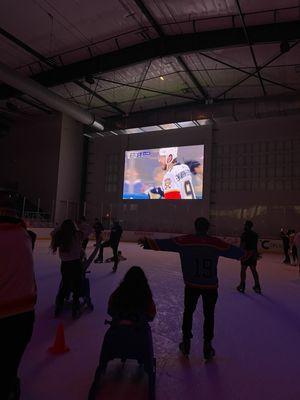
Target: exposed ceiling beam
x,y
52,64
33,104
192,77
150,17
256,71
98,96
191,111
250,46
180,59
244,71
27,48
146,89
138,89
168,45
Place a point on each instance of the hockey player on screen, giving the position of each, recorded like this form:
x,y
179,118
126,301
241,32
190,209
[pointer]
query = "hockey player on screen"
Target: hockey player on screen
x,y
177,181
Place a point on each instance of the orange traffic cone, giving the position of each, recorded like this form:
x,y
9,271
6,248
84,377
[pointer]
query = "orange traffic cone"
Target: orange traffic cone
x,y
59,346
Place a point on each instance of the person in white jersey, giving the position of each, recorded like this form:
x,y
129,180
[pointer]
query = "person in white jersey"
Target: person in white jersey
x,y
177,181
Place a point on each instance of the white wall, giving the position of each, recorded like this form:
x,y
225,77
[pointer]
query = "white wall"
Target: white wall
x,y
69,170
42,156
252,170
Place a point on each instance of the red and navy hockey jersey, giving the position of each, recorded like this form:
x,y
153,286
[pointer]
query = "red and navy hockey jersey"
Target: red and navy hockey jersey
x,y
199,256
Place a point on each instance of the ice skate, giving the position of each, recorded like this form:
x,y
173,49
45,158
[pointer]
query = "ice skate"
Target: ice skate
x,y
241,288
257,289
98,261
208,351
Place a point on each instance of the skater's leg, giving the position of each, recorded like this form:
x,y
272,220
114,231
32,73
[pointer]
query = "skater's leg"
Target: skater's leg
x,y
115,255
100,255
286,254
66,283
16,333
298,255
294,254
209,299
77,278
191,296
255,275
242,284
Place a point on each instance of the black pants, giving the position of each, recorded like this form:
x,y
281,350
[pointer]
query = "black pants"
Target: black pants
x,y
252,266
72,274
15,334
209,299
114,247
286,254
98,235
294,253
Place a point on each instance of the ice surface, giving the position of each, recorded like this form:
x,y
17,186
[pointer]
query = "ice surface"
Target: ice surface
x,y
256,337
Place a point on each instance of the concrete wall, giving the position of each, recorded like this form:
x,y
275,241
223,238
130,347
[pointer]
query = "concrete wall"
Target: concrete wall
x,y
252,170
29,158
42,159
69,170
256,175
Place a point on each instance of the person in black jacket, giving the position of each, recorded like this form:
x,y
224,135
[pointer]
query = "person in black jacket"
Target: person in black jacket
x,y
98,228
286,245
249,240
113,242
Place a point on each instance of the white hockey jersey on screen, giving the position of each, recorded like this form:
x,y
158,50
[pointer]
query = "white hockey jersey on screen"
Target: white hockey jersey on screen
x,y
177,183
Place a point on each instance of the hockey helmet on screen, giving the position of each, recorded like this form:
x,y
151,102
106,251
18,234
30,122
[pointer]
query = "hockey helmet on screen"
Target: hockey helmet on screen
x,y
170,153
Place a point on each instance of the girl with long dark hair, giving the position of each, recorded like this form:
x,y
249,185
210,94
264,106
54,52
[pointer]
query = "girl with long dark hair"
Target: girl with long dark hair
x,y
133,298
68,240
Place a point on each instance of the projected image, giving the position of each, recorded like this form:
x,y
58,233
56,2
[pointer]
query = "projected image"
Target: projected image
x,y
170,173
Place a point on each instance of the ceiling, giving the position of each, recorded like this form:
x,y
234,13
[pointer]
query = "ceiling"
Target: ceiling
x,y
124,57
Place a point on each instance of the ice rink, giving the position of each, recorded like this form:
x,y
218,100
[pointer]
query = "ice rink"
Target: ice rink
x,y
257,337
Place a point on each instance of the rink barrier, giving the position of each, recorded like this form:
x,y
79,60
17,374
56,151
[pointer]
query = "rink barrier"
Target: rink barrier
x,y
265,245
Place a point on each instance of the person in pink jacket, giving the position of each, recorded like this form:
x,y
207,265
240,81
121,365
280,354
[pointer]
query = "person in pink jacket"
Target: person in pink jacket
x,y
17,296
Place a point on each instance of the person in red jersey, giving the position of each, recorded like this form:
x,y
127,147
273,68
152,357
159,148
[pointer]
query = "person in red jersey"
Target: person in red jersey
x,y
199,254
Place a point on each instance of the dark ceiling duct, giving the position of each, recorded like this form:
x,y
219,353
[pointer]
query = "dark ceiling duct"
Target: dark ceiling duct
x,y
46,96
231,110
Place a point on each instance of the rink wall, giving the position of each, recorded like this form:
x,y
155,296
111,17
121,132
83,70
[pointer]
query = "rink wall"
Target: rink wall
x,y
265,245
